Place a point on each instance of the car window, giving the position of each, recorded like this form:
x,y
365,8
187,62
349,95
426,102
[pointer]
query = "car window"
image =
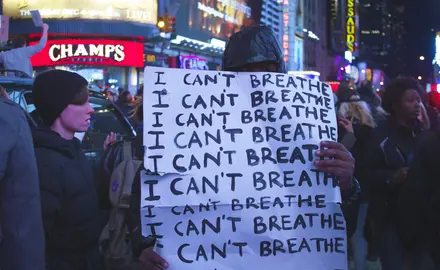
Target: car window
x,y
29,106
15,90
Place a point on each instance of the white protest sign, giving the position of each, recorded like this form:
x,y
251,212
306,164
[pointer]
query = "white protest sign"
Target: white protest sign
x,y
236,186
36,18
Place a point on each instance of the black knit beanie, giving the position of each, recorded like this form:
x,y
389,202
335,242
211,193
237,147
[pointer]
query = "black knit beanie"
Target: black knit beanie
x,y
53,90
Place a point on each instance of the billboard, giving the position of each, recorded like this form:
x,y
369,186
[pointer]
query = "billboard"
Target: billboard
x,y
204,19
140,11
90,52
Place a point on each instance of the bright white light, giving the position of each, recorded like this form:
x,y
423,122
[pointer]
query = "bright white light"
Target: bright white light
x,y
437,51
348,56
363,71
422,58
438,88
420,77
381,83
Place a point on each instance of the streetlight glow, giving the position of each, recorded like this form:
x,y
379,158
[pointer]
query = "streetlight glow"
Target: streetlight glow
x,y
422,58
420,77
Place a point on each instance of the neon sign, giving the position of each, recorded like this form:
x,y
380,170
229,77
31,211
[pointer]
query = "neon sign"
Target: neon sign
x,y
193,62
90,52
351,26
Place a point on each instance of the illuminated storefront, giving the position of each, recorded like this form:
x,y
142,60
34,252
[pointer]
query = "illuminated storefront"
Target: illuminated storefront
x,y
102,40
104,63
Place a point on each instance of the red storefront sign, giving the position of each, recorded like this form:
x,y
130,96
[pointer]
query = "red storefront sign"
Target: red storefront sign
x,y
90,52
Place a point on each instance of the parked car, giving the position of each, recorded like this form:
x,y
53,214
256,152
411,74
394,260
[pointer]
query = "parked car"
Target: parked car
x,y
107,117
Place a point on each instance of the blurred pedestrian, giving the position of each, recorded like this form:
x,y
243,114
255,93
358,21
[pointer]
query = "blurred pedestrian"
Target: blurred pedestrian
x,y
369,95
110,95
19,58
71,215
125,103
354,117
22,237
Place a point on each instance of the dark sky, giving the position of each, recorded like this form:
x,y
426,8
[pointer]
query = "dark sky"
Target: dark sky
x,y
422,22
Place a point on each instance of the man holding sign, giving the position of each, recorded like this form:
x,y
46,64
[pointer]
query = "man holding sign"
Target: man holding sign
x,y
19,58
276,202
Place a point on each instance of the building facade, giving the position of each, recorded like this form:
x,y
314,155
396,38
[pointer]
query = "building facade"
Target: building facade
x,y
316,53
375,33
398,53
272,16
202,30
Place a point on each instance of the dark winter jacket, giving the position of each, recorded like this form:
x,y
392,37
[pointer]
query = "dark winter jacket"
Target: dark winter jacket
x,y
419,199
358,147
21,234
71,217
390,149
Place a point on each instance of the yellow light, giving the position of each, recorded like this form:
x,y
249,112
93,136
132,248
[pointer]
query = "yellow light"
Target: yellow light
x,y
161,24
420,77
422,58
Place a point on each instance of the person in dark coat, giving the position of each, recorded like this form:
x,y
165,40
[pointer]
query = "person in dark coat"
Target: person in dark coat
x,y
71,217
253,49
391,152
22,237
419,200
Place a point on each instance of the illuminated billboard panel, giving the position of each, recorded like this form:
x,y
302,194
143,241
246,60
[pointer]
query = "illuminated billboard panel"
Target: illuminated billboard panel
x,y
351,26
203,19
141,11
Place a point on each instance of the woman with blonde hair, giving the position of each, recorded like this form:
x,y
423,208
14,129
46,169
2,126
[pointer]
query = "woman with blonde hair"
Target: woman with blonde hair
x,y
354,116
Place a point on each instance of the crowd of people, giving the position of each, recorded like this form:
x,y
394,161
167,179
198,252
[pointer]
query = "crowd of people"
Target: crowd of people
x,y
54,211
395,133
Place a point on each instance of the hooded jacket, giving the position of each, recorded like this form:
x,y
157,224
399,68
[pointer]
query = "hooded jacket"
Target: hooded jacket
x,y
253,45
71,217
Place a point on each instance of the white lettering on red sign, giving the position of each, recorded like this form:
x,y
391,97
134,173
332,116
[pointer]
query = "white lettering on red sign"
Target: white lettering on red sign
x,y
58,52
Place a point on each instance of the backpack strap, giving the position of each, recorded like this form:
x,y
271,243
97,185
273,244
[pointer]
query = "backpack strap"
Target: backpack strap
x,y
126,148
124,195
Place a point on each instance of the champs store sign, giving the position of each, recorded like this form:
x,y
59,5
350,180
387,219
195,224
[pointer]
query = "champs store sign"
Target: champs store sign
x,y
351,26
90,52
